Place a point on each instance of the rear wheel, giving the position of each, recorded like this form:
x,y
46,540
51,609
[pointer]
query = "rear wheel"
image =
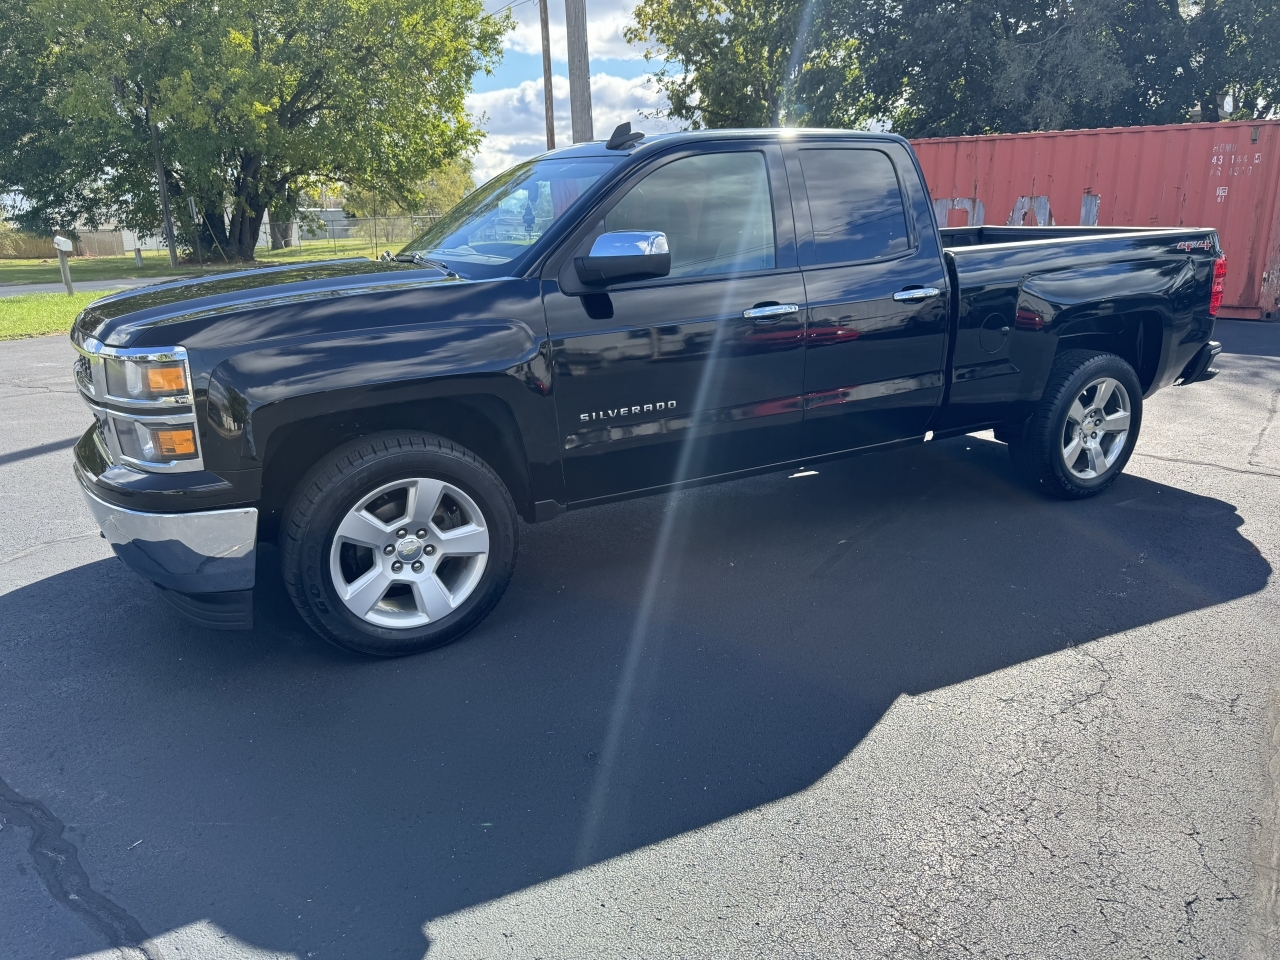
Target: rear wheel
x,y
1084,428
398,544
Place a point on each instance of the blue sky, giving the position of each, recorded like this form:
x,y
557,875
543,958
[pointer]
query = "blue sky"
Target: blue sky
x,y
510,100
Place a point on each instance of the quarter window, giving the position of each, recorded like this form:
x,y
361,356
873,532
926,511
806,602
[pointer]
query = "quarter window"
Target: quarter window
x,y
855,205
714,209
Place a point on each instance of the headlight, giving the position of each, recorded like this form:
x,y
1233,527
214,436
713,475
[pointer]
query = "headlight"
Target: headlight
x,y
144,399
145,380
155,443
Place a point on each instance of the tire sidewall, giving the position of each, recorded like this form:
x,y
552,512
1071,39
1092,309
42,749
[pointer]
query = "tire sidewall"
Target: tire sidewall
x,y
1107,365
321,525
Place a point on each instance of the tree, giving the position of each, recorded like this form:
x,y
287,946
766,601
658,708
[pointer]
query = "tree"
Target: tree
x,y
751,63
247,102
430,197
948,67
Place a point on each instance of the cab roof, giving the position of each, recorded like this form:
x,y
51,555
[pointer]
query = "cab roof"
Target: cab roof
x,y
597,148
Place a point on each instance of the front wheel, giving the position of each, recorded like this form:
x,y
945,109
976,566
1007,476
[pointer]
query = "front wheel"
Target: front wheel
x,y
1084,428
398,544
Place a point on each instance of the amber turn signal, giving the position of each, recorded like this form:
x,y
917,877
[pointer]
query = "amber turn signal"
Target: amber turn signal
x,y
179,442
167,379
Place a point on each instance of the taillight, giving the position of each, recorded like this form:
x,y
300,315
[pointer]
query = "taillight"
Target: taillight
x,y
1219,285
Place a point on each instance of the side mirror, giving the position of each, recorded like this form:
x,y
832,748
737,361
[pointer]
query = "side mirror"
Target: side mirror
x,y
625,255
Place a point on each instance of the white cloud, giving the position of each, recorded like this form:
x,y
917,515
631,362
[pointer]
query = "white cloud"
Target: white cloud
x,y
606,19
516,126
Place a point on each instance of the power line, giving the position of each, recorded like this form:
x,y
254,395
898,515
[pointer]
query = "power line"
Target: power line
x,y
509,6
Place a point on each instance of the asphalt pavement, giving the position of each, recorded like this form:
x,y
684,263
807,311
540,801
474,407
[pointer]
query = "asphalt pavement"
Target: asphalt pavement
x,y
899,708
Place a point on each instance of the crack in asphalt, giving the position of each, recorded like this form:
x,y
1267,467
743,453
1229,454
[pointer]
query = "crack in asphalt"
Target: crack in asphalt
x,y
57,861
35,388
1092,706
1262,434
1214,466
48,543
1264,922
1101,692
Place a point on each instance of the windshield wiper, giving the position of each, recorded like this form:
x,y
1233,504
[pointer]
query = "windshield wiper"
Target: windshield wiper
x,y
420,260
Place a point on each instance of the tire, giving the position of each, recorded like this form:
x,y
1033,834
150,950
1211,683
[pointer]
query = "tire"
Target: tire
x,y
398,543
1070,447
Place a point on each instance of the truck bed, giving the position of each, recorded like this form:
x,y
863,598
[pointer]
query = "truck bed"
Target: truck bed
x,y
1025,294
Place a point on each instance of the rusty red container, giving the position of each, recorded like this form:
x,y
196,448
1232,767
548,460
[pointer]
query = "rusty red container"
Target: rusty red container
x,y
1221,175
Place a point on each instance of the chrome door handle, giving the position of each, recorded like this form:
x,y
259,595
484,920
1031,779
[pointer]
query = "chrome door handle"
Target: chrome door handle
x,y
920,293
771,313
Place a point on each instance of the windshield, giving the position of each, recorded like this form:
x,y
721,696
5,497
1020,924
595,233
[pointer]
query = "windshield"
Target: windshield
x,y
506,216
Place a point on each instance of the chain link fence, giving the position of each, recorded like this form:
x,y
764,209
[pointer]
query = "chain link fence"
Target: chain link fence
x,y
313,235
329,230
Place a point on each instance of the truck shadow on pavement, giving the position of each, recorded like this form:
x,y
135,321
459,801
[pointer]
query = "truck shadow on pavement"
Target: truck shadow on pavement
x,y
312,802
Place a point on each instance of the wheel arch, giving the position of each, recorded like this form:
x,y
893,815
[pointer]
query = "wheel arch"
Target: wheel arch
x,y
1135,336
482,423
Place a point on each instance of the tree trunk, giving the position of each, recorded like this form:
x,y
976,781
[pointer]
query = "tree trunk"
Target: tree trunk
x,y
249,207
281,234
242,235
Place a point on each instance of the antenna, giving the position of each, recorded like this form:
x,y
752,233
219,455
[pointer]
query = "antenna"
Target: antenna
x,y
623,137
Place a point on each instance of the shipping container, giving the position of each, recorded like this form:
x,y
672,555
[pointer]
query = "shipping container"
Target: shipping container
x,y
1221,175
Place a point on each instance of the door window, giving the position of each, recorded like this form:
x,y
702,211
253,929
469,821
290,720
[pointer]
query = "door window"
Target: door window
x,y
714,209
855,205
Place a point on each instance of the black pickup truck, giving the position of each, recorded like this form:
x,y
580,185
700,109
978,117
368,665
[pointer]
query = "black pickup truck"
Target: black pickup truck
x,y
606,321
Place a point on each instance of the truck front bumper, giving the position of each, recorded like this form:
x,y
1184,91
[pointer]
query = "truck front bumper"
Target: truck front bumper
x,y
204,562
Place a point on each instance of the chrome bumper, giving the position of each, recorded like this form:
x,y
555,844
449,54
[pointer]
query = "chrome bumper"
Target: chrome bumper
x,y
192,553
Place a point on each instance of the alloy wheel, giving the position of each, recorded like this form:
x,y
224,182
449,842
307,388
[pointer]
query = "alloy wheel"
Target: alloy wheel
x,y
409,553
1096,429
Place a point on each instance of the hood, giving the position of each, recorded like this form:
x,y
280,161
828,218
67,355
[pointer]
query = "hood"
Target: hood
x,y
119,319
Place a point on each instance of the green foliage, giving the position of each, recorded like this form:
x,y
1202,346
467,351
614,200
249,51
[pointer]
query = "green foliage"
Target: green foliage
x,y
969,67
751,63
252,101
949,67
431,196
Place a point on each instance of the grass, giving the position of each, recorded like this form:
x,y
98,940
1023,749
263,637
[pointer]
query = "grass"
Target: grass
x,y
157,264
37,314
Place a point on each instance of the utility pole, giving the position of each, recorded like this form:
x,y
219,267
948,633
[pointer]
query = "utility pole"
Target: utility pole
x,y
545,17
575,22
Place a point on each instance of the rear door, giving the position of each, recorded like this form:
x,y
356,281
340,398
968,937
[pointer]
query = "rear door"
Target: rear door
x,y
698,373
877,297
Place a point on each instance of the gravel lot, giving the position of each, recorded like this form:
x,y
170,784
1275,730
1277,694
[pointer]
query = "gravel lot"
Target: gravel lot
x,y
901,708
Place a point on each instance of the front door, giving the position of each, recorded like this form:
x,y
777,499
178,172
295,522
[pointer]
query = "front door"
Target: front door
x,y
877,295
698,373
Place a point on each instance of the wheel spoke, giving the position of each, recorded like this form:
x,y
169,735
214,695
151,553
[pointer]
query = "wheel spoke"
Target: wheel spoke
x,y
1103,393
360,527
464,541
1071,452
424,497
1097,460
362,595
431,597
1076,413
1117,422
